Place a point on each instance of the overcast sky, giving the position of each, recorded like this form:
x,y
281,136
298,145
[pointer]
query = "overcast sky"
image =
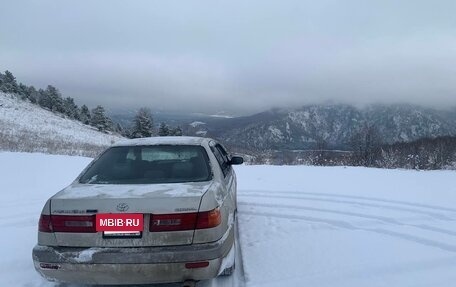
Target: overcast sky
x,y
238,56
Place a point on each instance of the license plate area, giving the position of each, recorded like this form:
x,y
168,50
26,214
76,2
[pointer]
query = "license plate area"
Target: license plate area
x,y
122,234
120,225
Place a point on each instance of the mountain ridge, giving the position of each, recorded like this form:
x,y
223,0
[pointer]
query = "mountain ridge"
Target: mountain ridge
x,y
331,125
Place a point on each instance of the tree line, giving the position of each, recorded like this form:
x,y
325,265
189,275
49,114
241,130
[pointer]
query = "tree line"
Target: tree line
x,y
422,154
51,99
368,150
143,126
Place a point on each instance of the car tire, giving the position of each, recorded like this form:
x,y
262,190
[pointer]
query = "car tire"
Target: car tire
x,y
230,270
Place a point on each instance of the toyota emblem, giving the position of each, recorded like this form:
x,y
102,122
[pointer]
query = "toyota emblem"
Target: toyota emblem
x,y
122,207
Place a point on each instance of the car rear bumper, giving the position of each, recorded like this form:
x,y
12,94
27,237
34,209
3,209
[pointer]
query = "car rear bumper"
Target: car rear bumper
x,y
139,265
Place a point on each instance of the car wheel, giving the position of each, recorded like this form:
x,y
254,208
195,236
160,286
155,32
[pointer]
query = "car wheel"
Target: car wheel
x,y
230,270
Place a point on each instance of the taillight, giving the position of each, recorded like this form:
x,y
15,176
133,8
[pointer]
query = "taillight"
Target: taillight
x,y
185,221
209,219
44,224
67,223
172,222
73,223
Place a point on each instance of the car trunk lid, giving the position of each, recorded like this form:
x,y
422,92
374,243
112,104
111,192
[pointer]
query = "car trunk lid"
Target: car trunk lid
x,y
87,200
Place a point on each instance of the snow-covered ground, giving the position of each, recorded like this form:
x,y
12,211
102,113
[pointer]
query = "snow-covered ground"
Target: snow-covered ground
x,y
335,226
298,226
28,127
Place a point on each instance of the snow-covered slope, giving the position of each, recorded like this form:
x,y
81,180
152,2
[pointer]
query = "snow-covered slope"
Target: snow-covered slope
x,y
28,127
298,225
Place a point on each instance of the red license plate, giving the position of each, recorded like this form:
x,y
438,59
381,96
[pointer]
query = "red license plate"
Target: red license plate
x,y
119,222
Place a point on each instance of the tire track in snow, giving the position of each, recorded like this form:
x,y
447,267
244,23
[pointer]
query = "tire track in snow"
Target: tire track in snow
x,y
414,204
381,206
384,219
346,225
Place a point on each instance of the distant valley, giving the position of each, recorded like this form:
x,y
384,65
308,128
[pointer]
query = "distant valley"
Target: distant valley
x,y
310,126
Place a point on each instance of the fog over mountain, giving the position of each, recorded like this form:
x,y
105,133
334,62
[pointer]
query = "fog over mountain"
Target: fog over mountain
x,y
237,56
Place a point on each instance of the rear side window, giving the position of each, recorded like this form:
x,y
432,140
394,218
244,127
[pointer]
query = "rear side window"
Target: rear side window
x,y
222,151
149,164
222,158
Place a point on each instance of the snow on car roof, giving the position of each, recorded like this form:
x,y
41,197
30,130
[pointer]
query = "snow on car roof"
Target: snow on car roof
x,y
177,140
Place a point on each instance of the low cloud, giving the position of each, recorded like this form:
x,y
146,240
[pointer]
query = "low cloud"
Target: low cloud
x,y
239,57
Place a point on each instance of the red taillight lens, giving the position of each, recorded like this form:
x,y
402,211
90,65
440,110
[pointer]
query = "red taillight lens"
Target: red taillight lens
x,y
209,219
185,221
44,224
172,222
73,223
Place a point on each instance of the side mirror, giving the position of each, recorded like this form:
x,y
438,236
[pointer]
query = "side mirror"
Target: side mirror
x,y
236,160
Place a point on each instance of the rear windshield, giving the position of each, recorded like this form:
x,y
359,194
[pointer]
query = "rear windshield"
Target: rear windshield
x,y
149,164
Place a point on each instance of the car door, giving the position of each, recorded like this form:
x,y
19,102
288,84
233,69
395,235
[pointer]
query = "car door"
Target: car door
x,y
229,177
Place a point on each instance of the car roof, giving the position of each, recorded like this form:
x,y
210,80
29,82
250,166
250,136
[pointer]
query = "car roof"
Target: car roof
x,y
167,140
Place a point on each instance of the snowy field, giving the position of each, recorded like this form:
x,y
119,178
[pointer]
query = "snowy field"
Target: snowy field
x,y
298,226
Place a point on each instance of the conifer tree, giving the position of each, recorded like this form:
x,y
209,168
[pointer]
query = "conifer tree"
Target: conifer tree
x,y
177,131
85,115
8,83
163,130
99,119
142,124
71,109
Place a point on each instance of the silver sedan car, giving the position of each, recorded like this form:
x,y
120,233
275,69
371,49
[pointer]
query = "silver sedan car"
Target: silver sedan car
x,y
152,210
